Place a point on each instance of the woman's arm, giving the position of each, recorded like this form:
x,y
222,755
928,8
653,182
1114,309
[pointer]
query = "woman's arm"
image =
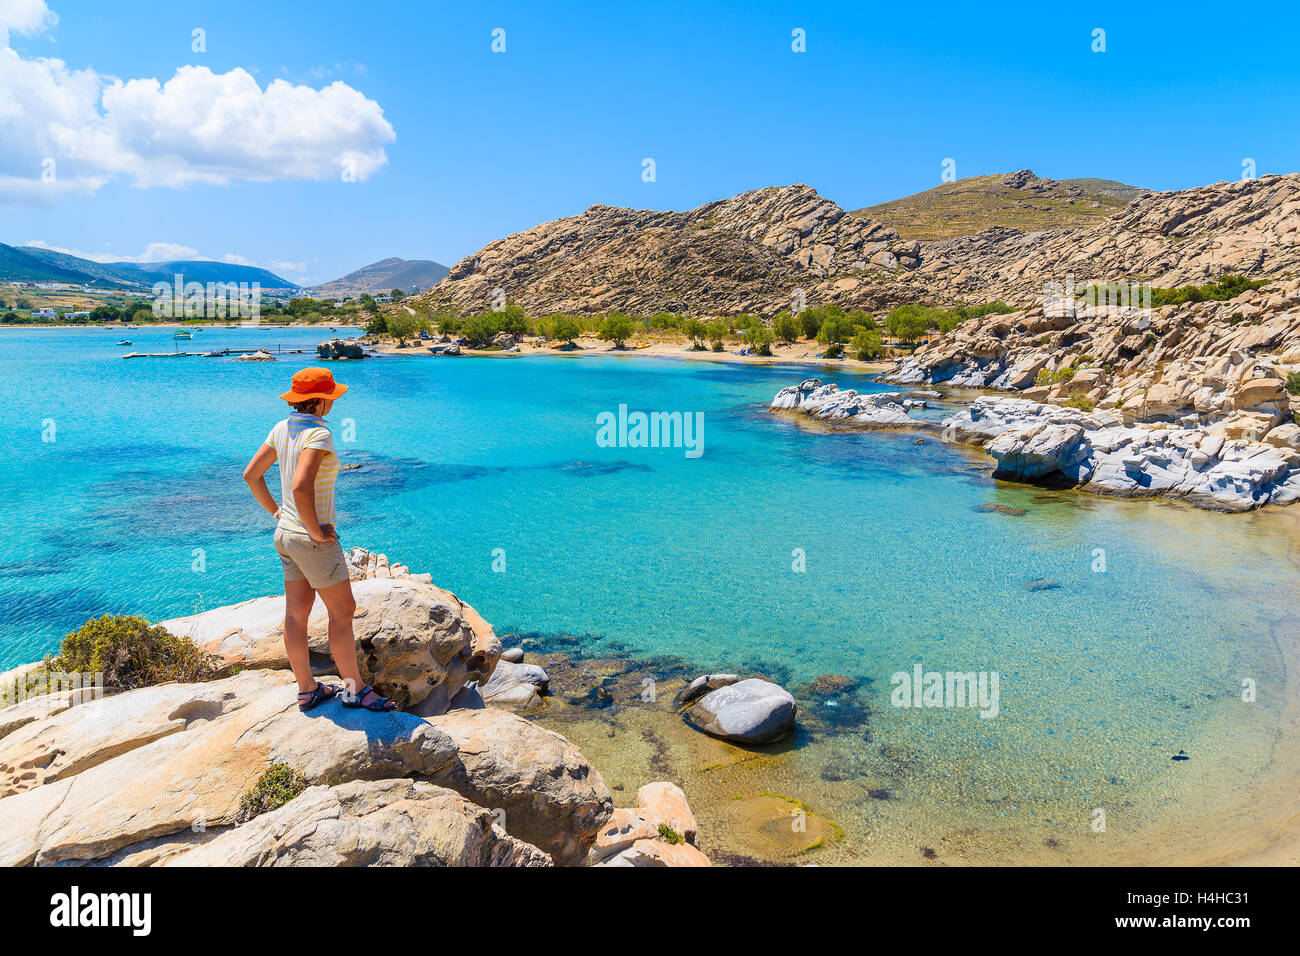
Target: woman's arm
x,y
255,475
304,492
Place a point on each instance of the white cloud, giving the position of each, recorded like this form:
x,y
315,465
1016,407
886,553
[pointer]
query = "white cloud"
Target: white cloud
x,y
28,17
69,130
153,252
281,266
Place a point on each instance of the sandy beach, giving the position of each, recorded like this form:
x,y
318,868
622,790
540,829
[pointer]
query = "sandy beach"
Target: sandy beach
x,y
799,353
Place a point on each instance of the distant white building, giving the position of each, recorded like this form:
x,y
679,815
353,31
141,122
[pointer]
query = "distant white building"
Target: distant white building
x,y
46,313
73,316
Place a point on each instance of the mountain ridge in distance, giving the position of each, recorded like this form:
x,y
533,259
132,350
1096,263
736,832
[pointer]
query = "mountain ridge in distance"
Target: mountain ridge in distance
x,y
37,264
384,276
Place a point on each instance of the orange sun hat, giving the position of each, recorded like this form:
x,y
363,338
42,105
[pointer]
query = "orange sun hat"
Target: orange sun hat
x,y
309,383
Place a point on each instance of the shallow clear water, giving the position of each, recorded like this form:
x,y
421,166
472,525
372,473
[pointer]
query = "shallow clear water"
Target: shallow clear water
x,y
1103,675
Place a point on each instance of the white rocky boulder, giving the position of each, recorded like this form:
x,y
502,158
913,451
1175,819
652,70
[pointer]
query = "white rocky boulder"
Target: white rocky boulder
x,y
1034,442
752,711
871,410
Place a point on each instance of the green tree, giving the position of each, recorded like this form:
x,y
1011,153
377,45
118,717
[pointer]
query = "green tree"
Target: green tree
x,y
513,319
908,323
761,339
696,331
397,295
480,329
617,328
378,324
868,344
565,328
786,326
811,322
835,329
403,325
717,332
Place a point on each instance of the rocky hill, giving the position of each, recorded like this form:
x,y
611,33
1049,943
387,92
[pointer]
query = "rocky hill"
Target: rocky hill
x,y
744,254
384,276
755,252
1018,200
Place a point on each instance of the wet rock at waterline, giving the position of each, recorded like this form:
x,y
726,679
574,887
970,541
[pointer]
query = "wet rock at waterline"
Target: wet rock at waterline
x,y
751,711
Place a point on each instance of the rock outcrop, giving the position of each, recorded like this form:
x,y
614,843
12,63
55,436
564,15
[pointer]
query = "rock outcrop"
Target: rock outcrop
x,y
1096,451
660,831
755,251
368,823
418,643
863,410
160,774
134,777
748,253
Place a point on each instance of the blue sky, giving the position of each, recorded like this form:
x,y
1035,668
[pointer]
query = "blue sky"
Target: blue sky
x,y
491,143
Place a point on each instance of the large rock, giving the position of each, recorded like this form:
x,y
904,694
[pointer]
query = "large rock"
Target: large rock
x,y
516,686
548,793
368,823
416,642
194,777
871,410
1046,443
751,711
144,774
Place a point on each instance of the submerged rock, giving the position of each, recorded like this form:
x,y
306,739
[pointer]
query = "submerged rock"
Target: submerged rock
x,y
751,711
515,686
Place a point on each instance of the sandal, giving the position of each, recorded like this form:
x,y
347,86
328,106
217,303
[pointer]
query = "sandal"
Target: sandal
x,y
316,696
379,705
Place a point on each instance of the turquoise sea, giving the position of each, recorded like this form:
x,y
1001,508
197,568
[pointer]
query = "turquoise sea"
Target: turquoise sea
x,y
122,480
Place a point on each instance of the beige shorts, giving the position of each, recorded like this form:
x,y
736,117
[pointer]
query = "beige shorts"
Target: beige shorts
x,y
320,565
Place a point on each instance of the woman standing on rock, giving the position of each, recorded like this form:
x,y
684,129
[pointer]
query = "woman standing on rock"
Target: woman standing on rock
x,y
306,540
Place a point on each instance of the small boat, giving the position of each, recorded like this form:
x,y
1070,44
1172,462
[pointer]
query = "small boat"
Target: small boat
x,y
183,334
124,342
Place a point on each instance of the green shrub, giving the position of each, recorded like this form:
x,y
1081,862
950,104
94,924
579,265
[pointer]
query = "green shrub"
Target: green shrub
x,y
378,324
834,350
130,653
279,784
1082,403
669,835
1226,287
1062,374
1293,383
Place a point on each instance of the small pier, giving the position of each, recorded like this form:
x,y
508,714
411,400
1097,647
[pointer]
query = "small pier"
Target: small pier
x,y
221,353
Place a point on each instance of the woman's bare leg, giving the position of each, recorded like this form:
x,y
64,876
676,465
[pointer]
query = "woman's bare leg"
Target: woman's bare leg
x,y
298,599
341,606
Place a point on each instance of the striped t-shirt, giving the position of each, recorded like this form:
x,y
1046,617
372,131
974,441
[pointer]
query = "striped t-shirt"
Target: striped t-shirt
x,y
290,438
